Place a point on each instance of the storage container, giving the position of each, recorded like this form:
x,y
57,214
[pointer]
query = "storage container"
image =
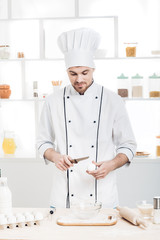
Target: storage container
x,y
137,86
154,86
123,85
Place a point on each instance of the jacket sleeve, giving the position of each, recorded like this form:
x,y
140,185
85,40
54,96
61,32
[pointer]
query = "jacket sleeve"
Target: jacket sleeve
x,y
46,137
123,136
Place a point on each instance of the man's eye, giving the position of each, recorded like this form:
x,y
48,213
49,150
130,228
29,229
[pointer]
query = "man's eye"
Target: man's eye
x,y
85,73
73,74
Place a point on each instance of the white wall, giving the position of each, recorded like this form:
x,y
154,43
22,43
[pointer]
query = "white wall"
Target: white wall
x,y
30,183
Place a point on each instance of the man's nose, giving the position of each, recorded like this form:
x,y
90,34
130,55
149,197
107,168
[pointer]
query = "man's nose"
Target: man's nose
x,y
79,78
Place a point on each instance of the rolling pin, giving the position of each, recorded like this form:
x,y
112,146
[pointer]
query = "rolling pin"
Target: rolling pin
x,y
131,216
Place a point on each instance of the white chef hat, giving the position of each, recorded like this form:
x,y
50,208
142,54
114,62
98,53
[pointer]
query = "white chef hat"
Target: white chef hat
x,y
79,46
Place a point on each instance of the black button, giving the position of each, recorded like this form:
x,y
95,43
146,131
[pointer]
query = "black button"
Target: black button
x,y
94,121
91,195
96,97
69,121
72,195
92,146
71,170
67,96
70,145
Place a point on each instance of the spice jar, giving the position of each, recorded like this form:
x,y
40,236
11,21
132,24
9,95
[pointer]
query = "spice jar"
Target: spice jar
x,y
5,91
158,146
131,49
156,210
137,86
123,85
154,86
4,51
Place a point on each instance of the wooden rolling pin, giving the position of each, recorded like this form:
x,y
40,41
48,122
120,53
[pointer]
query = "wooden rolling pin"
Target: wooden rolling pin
x,y
132,217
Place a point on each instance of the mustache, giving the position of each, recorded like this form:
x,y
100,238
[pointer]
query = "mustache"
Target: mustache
x,y
77,83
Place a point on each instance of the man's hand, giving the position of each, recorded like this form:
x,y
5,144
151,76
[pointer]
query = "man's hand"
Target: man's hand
x,y
103,168
62,162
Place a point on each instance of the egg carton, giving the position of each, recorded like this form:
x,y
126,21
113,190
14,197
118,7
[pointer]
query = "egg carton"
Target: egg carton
x,y
20,220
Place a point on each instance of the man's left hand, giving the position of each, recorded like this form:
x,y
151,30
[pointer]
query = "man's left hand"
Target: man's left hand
x,y
103,168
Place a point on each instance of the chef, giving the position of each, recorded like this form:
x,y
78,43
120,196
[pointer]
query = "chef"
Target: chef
x,y
84,119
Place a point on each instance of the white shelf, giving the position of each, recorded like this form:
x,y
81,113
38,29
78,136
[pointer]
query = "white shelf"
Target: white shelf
x,y
62,59
146,160
43,99
142,99
57,18
21,100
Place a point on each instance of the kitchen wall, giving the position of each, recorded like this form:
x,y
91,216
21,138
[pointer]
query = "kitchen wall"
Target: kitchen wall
x,y
30,183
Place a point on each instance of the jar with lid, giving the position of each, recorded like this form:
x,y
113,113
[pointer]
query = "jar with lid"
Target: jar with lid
x,y
123,85
131,49
156,210
5,197
137,86
4,51
154,85
158,146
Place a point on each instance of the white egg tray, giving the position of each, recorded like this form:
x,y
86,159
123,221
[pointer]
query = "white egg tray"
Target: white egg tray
x,y
10,221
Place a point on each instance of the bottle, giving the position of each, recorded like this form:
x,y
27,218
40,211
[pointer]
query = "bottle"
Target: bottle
x,y
35,89
156,210
5,197
137,86
123,85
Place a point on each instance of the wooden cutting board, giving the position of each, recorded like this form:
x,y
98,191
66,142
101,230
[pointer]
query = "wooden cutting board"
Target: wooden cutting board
x,y
100,220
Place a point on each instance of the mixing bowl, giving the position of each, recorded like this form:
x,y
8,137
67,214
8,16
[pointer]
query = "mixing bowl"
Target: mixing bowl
x,y
85,210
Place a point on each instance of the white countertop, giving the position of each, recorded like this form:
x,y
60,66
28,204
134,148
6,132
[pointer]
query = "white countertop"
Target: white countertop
x,y
49,230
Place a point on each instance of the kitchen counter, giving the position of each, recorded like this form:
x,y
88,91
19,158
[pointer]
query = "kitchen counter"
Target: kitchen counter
x,y
48,230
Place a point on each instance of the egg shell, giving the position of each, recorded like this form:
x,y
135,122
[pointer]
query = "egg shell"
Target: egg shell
x,y
3,219
11,219
91,167
29,218
38,216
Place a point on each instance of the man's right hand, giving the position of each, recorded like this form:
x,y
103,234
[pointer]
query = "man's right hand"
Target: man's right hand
x,y
62,162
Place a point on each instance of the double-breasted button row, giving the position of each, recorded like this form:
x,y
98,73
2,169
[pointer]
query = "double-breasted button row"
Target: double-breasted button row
x,y
72,195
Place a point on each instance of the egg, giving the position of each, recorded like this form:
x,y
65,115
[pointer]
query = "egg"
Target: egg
x,y
91,167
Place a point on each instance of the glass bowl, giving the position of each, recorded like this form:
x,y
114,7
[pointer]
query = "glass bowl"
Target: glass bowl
x,y
145,208
85,210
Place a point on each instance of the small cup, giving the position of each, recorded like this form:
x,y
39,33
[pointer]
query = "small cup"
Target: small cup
x,y
145,208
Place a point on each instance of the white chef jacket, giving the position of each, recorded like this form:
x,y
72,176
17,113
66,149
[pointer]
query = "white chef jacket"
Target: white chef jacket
x,y
95,124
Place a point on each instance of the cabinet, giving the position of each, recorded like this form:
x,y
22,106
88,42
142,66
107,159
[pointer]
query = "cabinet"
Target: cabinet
x,y
35,33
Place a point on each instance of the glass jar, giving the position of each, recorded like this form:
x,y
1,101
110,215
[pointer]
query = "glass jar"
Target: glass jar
x,y
131,49
137,86
4,51
123,85
9,145
154,86
158,146
5,91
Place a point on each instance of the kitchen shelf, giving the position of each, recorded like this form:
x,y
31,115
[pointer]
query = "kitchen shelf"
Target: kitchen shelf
x,y
62,59
41,55
57,18
142,99
146,160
